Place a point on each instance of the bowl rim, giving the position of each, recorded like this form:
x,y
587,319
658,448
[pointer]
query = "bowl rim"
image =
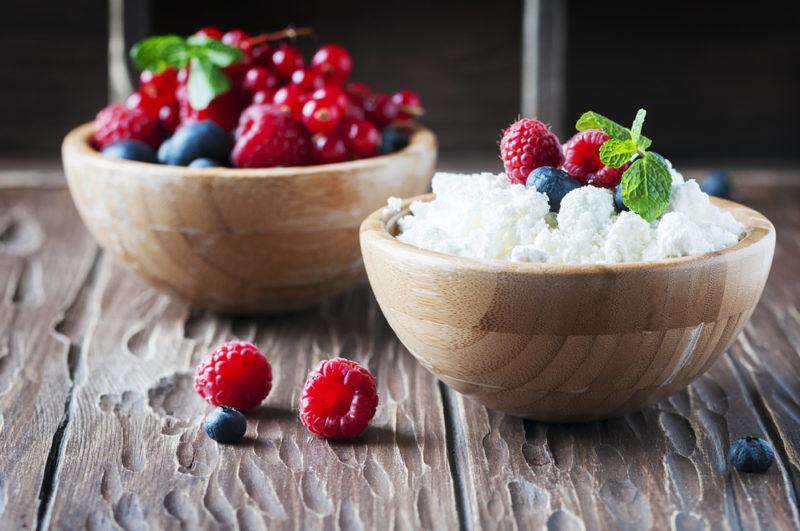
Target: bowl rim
x,y
377,225
78,143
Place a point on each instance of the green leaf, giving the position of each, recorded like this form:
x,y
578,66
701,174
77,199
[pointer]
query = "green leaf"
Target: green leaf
x,y
615,153
636,128
206,81
592,120
219,53
157,53
647,185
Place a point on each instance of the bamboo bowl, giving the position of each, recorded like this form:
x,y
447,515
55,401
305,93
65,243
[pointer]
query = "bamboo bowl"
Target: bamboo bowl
x,y
566,342
235,240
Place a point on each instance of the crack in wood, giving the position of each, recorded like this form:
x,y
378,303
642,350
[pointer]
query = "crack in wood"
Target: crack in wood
x,y
451,432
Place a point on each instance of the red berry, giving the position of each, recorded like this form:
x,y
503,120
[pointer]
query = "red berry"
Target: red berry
x,y
291,98
582,160
354,112
526,145
331,93
160,85
211,32
183,76
235,37
357,91
236,375
273,139
259,78
380,109
333,62
169,116
339,399
262,96
253,114
409,103
261,54
362,139
321,116
224,109
285,60
137,100
116,123
327,148
307,79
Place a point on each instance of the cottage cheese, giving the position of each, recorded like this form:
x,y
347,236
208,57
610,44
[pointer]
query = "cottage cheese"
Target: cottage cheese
x,y
484,216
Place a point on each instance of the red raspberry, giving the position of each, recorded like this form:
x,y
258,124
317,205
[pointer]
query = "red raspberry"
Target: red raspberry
x,y
273,139
526,145
582,160
236,375
338,400
116,123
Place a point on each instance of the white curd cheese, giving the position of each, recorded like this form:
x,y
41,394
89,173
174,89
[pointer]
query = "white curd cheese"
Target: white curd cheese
x,y
484,216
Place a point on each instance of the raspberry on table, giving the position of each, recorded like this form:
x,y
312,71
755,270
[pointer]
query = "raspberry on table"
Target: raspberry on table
x,y
236,375
116,123
272,139
528,144
338,400
582,160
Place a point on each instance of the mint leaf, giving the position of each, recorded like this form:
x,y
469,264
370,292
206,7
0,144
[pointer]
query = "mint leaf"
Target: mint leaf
x,y
636,128
219,53
647,185
615,153
592,120
157,53
206,81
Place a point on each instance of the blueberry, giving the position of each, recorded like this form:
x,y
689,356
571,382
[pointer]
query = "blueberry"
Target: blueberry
x,y
225,424
751,454
130,150
553,182
717,184
163,151
392,139
205,163
195,141
618,200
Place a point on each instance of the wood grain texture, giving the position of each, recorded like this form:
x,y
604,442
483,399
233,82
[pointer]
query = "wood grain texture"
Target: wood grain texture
x,y
565,342
240,240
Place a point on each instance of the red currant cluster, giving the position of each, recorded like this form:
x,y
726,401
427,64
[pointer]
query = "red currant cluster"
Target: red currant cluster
x,y
283,112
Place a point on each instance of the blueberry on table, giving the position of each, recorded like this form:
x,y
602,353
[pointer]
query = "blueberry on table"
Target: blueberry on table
x,y
717,184
130,150
553,182
618,200
195,141
163,151
205,163
392,139
225,424
751,454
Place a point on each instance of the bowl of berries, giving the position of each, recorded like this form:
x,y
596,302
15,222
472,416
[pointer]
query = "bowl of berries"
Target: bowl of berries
x,y
584,282
236,176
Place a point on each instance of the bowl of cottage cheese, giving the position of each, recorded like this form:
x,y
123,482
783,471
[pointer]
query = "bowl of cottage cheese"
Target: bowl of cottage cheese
x,y
585,313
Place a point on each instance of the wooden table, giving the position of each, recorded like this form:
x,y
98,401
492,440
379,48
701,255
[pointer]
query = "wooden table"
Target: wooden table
x,y
100,426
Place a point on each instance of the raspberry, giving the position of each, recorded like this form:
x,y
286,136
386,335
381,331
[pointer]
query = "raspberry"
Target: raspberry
x,y
273,138
526,145
338,400
116,123
582,160
236,375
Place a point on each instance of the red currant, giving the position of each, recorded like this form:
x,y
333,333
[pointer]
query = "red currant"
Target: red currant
x,y
285,60
235,37
331,93
183,76
362,139
321,116
261,54
259,78
291,98
409,104
380,109
327,148
160,86
354,112
308,79
212,32
137,100
263,96
333,62
169,116
357,91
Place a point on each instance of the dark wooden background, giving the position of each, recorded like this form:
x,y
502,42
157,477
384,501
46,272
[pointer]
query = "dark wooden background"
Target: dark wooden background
x,y
721,80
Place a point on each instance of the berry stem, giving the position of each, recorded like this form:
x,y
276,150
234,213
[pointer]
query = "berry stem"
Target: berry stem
x,y
287,33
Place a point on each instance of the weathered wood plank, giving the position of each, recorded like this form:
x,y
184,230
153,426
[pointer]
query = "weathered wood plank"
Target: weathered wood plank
x,y
45,256
135,453
666,466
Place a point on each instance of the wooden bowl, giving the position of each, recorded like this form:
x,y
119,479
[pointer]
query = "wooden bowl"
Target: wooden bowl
x,y
566,343
236,240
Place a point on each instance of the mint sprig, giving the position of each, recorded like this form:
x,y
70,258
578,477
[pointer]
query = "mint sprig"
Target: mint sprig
x,y
206,57
647,183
